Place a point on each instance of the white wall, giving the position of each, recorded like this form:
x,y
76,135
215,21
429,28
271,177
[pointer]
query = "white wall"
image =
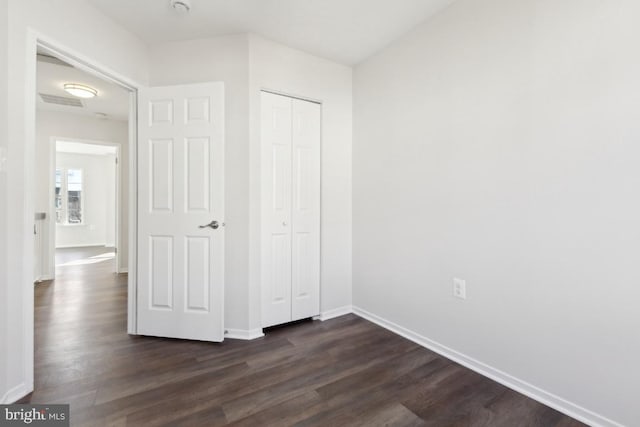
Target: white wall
x,y
223,59
50,124
98,183
4,318
279,68
498,143
89,34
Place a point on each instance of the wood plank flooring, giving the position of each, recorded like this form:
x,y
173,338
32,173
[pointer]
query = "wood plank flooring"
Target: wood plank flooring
x,y
343,372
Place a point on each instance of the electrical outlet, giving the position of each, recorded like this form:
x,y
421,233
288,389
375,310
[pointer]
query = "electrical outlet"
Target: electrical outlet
x,y
459,288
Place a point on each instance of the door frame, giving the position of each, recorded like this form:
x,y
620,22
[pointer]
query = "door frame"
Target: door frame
x,y
35,40
51,250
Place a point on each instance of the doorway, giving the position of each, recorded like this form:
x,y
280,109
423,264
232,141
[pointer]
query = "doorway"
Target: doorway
x,y
85,198
81,189
84,167
26,174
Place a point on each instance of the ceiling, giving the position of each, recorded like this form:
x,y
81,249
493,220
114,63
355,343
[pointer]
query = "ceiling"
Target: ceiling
x,y
83,148
345,31
52,74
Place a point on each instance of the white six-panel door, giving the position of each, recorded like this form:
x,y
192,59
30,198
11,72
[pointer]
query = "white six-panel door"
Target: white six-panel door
x,y
276,206
290,273
181,189
305,210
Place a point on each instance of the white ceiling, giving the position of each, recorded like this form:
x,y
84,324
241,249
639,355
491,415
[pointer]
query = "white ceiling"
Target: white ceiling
x,y
84,148
346,31
111,100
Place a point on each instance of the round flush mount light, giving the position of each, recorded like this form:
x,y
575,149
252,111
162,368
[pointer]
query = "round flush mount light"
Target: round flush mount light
x,y
81,91
181,6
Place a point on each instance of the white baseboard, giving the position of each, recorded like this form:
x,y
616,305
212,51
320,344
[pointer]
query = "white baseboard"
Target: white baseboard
x,y
243,334
16,393
123,270
571,409
44,278
334,312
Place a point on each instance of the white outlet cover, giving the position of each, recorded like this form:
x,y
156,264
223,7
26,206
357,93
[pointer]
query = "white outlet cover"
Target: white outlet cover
x,y
459,288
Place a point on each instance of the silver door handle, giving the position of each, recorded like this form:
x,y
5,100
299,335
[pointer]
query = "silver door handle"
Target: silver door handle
x,y
213,224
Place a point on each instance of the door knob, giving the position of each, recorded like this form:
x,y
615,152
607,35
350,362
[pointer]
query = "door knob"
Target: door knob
x,y
213,224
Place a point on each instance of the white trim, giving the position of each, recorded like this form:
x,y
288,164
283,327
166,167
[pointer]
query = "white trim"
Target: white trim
x,y
334,312
123,271
51,211
562,405
44,278
29,143
88,245
117,240
83,62
16,393
243,334
289,95
132,280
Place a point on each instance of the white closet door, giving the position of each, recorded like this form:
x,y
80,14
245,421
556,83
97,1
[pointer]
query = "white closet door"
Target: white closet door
x,y
305,253
276,209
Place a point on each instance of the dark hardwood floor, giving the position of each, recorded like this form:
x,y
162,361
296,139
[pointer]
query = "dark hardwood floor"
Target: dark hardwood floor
x,y
341,372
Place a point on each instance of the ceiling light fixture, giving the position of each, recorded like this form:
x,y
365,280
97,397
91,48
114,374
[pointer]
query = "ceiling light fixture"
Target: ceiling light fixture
x,y
81,91
181,6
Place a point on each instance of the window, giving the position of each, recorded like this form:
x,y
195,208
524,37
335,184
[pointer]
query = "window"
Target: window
x,y
58,202
69,196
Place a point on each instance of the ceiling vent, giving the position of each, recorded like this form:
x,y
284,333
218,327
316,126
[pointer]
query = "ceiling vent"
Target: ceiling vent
x,y
61,100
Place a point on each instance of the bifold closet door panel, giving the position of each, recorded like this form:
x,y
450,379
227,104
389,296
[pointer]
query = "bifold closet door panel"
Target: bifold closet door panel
x,y
305,254
276,130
